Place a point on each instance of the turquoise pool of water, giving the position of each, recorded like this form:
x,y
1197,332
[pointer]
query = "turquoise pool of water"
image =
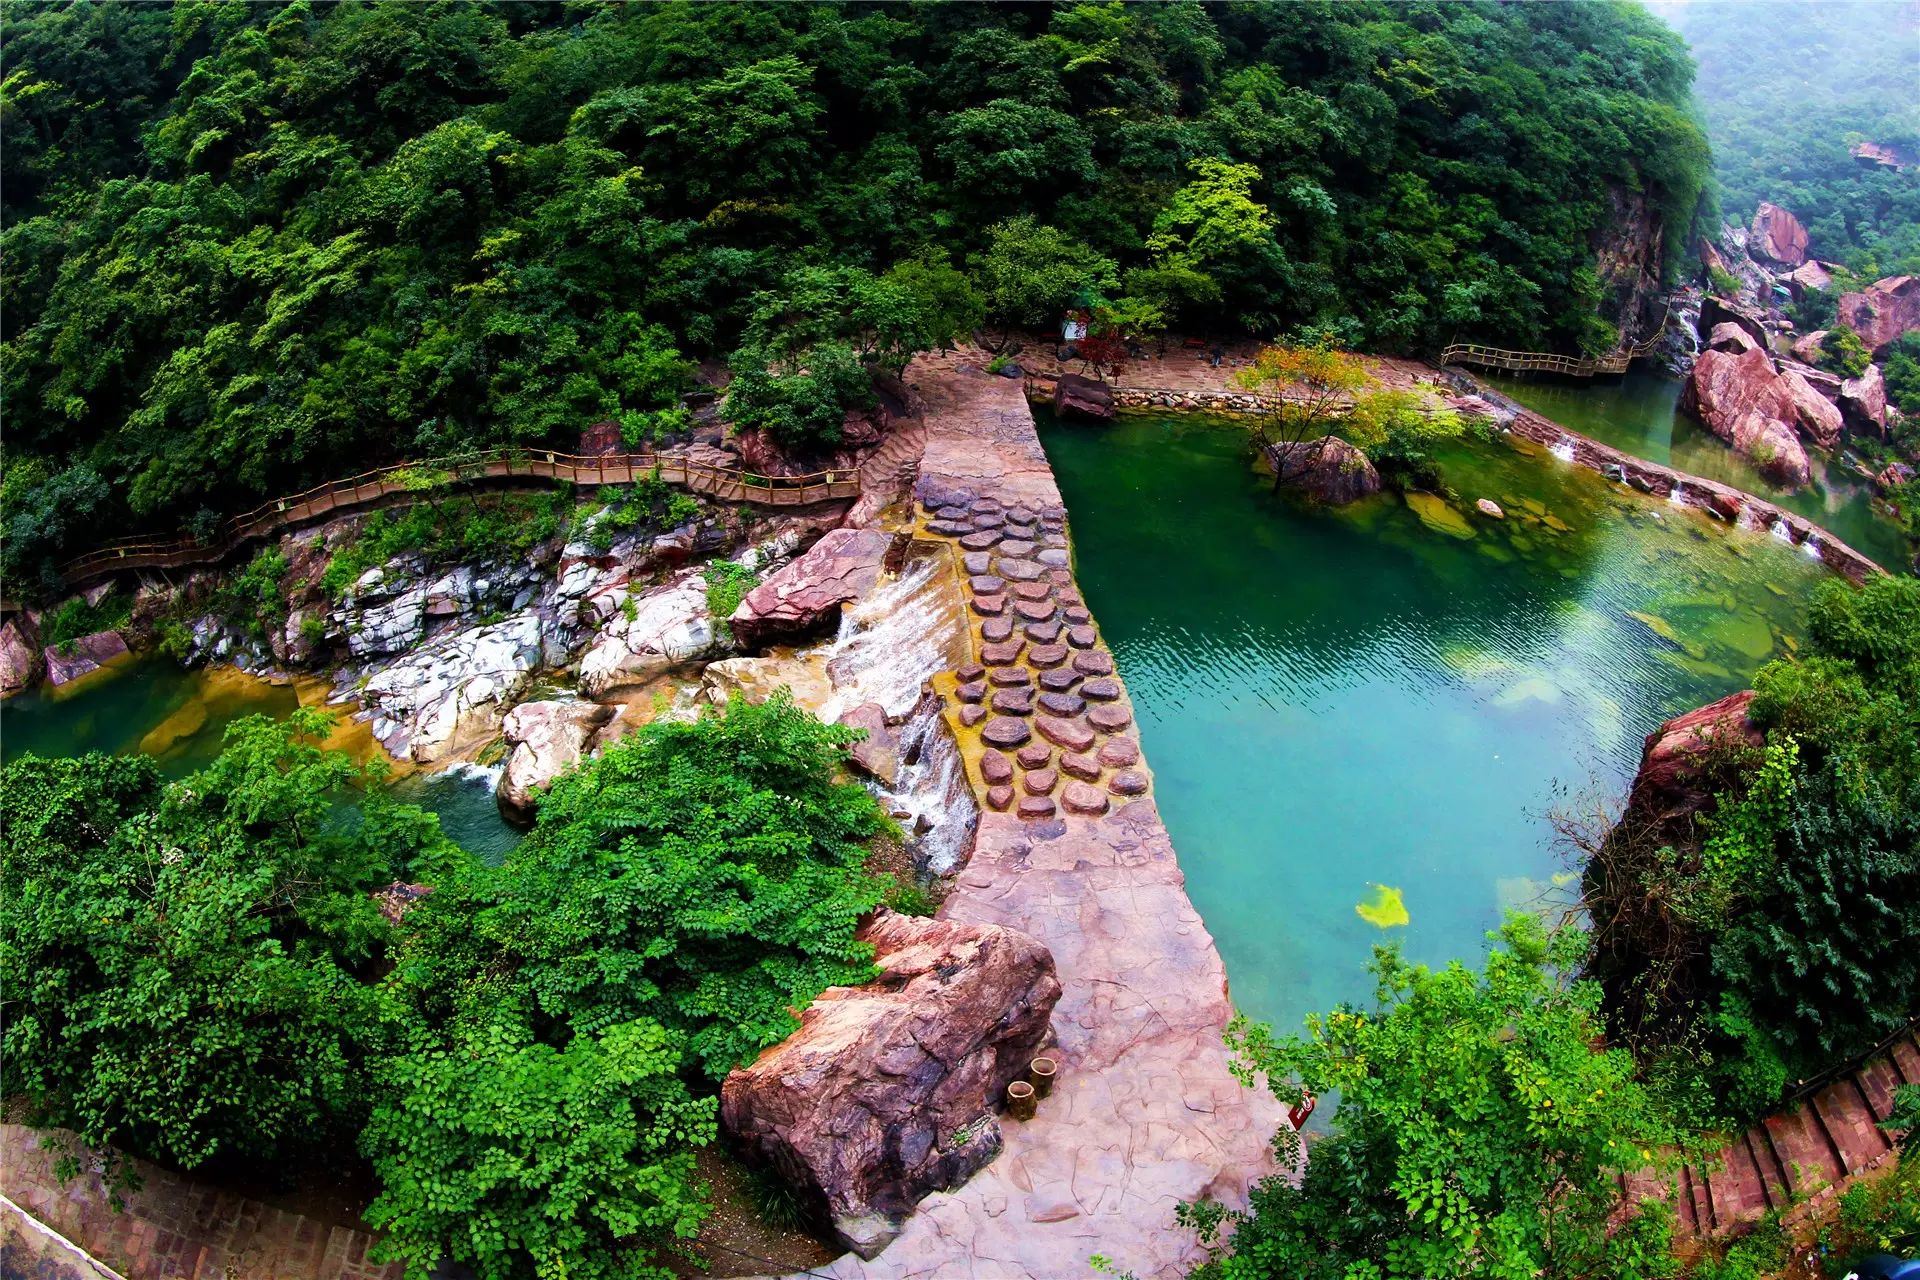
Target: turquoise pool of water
x,y
1640,414
178,717
1348,708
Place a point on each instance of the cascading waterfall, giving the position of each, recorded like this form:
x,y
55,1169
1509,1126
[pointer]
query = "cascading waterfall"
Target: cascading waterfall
x,y
1812,548
1676,496
1562,449
889,644
1781,529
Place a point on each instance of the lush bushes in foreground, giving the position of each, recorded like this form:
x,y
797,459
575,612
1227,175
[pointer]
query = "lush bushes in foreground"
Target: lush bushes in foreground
x,y
196,969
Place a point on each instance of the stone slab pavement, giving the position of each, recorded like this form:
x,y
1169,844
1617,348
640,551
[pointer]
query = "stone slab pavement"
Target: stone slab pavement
x,y
1146,1114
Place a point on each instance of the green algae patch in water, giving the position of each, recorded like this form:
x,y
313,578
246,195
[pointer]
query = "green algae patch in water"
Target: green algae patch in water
x,y
1386,909
1337,700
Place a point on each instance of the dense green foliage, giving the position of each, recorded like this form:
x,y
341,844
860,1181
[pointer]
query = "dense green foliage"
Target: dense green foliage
x,y
1478,1133
180,961
529,1058
251,246
1783,931
1785,89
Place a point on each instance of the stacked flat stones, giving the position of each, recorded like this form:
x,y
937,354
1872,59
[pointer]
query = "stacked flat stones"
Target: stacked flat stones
x,y
1053,720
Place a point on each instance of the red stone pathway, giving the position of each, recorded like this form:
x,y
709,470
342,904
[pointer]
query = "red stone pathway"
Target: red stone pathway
x,y
1799,1158
175,1229
1146,1114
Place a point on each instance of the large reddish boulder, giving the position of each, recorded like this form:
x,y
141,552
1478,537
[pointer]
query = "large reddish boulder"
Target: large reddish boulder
x,y
1863,402
1716,311
1670,784
1777,236
19,656
1809,277
805,596
1327,470
1817,416
1741,399
1883,311
1809,347
888,1091
1078,397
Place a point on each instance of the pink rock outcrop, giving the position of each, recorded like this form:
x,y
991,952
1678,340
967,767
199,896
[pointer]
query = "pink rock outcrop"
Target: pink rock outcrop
x,y
1816,416
1807,347
19,656
1809,277
878,754
547,739
1669,784
805,596
1078,397
1863,401
1741,399
77,658
1777,235
1882,311
888,1091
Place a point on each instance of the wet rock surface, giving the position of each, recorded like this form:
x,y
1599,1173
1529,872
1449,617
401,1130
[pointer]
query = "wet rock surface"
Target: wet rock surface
x,y
888,1091
544,740
82,656
805,597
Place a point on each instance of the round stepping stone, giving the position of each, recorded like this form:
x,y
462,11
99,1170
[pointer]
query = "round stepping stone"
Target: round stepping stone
x,y
989,606
971,691
976,562
1118,753
1005,731
1128,784
1061,578
1043,632
1082,637
1103,689
985,584
1071,734
971,671
952,513
1080,765
1081,798
1053,557
999,797
1063,704
1019,570
1048,655
1110,718
1032,591
948,528
986,504
1031,610
1077,615
994,630
1036,807
971,715
1003,652
979,540
1040,782
1059,679
1009,677
988,519
995,767
1093,663
1017,547
1014,702
1035,755
1025,515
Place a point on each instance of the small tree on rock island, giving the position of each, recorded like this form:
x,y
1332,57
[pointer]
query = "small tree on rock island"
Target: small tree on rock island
x,y
1479,1132
1316,391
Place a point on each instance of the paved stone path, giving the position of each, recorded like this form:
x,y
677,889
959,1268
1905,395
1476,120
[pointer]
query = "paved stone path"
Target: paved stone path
x,y
1799,1158
1146,1114
176,1229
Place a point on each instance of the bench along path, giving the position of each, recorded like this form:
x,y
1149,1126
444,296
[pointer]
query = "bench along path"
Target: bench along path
x,y
1146,1114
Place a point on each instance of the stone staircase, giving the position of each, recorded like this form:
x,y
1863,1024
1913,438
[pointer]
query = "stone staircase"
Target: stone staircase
x,y
1804,1154
888,474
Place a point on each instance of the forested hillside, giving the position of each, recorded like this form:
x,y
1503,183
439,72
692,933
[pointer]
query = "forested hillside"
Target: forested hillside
x,y
249,246
1786,90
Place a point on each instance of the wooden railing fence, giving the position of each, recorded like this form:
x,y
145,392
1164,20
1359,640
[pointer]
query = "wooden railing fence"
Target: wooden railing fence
x,y
589,471
1549,362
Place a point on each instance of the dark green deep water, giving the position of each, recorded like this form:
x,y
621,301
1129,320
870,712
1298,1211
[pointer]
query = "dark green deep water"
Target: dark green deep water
x,y
1334,701
1640,414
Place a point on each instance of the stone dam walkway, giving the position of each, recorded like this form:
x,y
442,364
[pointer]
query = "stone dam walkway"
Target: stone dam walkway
x,y
1071,850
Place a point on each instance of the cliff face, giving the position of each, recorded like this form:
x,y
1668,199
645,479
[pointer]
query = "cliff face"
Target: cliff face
x,y
1628,248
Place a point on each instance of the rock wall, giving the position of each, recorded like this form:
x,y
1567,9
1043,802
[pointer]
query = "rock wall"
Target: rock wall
x,y
1628,249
